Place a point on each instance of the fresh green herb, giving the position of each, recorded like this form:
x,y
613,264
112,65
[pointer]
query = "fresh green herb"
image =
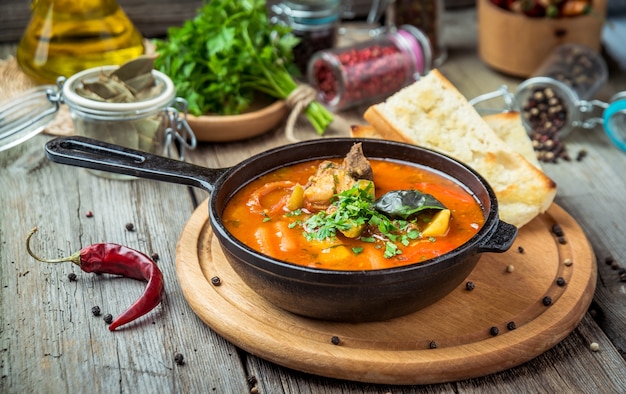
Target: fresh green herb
x,y
357,250
296,212
391,250
266,219
355,207
228,53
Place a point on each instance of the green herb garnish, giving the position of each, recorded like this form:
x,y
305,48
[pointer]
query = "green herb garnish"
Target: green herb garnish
x,y
228,53
356,207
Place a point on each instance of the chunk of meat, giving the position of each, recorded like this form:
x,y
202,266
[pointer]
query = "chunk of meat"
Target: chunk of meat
x,y
331,179
356,164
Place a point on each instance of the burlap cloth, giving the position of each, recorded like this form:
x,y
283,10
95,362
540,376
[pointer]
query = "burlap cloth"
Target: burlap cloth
x,y
14,82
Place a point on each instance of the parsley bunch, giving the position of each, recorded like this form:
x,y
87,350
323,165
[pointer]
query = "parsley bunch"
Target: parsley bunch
x,y
228,52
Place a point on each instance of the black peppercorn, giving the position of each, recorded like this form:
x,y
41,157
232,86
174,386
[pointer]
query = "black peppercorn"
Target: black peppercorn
x,y
520,249
547,300
560,281
335,340
511,325
432,345
155,257
562,240
557,230
72,277
95,310
108,318
469,286
216,281
179,359
494,331
130,227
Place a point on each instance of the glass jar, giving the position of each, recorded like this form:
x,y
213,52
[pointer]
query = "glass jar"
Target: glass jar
x,y
426,15
314,22
369,71
154,125
64,37
556,95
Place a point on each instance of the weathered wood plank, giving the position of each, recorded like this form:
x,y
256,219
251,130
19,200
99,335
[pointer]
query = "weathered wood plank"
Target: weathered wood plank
x,y
48,318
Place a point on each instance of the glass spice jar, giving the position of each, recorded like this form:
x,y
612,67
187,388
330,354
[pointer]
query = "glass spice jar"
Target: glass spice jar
x,y
551,99
314,22
64,37
369,71
557,100
426,15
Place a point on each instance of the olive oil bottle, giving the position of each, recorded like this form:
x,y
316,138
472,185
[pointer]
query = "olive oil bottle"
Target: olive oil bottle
x,y
68,36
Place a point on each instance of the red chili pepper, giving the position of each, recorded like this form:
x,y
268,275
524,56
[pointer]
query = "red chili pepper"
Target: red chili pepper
x,y
108,258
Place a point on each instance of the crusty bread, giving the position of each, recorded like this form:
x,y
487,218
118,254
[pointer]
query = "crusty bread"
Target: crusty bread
x,y
508,126
432,113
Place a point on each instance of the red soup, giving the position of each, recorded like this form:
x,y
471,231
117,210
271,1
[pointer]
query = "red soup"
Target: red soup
x,y
262,216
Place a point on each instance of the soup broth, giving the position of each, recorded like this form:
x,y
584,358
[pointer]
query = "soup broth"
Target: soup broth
x,y
258,217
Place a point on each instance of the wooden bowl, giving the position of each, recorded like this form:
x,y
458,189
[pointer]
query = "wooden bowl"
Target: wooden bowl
x,y
517,44
263,115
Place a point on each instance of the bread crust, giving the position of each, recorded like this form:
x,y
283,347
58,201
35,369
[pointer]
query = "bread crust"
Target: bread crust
x,y
432,113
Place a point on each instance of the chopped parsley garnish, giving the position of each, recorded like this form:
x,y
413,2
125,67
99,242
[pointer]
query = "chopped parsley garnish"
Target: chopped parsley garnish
x,y
356,208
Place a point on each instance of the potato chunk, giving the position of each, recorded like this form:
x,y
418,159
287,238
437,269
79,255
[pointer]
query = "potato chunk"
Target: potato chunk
x,y
439,225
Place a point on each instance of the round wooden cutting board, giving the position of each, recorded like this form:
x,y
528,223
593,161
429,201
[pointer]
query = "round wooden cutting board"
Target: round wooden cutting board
x,y
534,295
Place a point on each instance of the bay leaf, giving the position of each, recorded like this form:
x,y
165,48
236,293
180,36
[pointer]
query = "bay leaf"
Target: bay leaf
x,y
135,67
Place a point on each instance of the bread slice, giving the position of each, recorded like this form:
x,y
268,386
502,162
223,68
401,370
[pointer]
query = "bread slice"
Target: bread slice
x,y
433,114
508,126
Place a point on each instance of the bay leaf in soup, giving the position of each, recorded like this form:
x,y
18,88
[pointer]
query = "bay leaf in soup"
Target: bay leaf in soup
x,y
406,203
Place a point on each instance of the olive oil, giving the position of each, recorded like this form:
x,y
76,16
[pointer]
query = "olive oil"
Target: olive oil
x,y
68,36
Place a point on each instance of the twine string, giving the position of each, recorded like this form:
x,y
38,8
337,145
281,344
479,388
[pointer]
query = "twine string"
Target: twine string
x,y
297,101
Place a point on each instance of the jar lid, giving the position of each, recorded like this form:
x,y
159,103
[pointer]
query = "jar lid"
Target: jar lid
x,y
614,118
301,13
25,116
418,43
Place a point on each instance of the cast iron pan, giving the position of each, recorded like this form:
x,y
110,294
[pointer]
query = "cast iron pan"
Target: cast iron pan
x,y
352,296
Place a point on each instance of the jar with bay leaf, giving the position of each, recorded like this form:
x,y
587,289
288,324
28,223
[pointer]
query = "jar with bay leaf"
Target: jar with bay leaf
x,y
130,106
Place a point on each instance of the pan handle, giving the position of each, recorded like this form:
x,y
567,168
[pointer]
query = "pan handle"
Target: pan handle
x,y
97,155
501,238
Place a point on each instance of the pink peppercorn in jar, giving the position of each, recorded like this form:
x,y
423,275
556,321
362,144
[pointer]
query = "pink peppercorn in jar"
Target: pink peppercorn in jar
x,y
370,71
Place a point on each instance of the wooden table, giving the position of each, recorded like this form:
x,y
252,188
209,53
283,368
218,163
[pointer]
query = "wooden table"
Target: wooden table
x,y
51,342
